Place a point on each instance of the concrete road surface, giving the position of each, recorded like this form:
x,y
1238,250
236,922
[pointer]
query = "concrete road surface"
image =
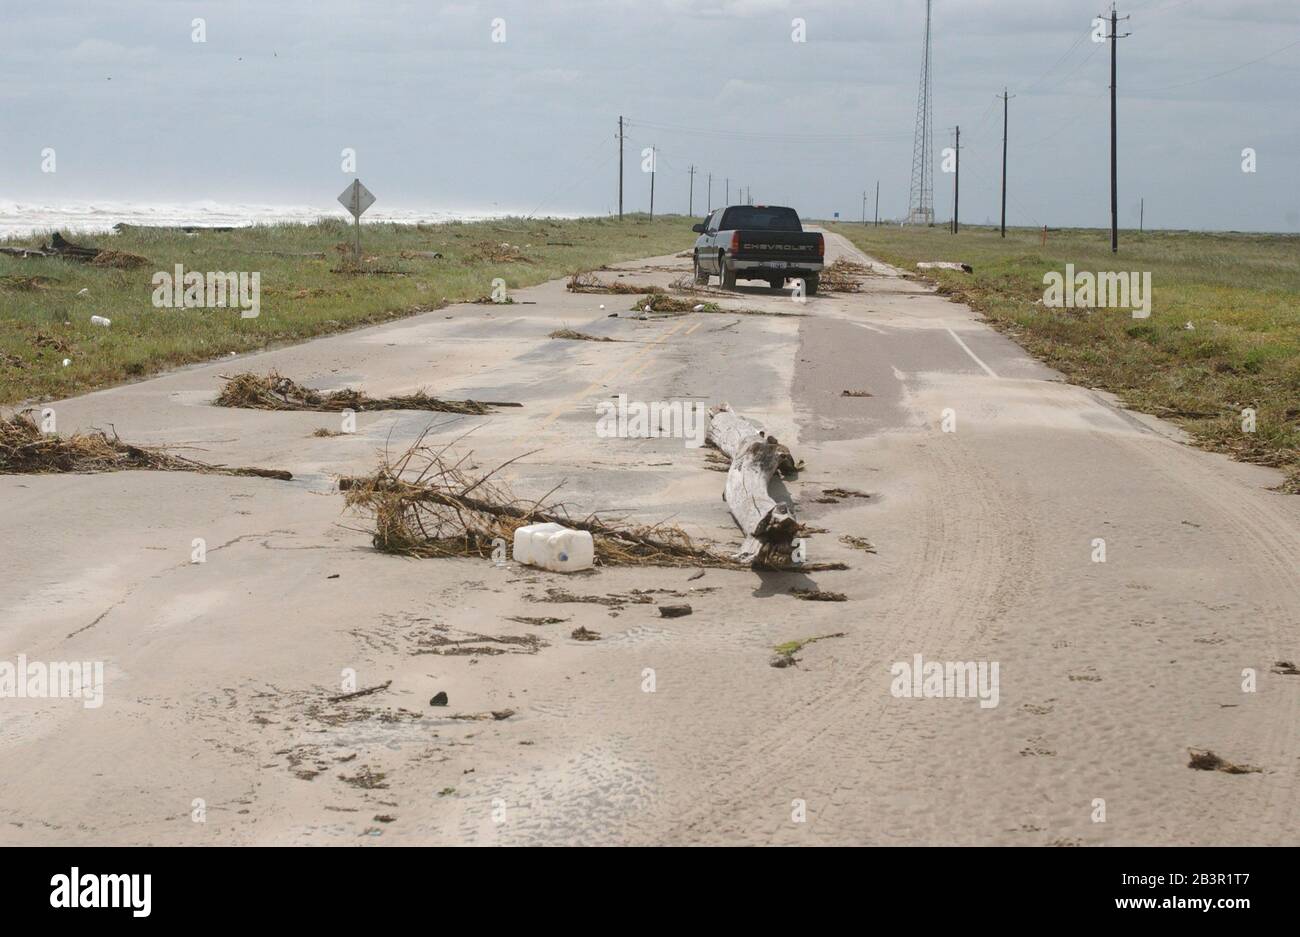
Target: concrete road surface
x,y
215,724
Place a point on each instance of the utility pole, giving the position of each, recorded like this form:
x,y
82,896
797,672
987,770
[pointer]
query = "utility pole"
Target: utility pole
x,y
956,181
1142,217
654,158
864,208
1005,99
709,210
690,205
620,167
727,193
1114,132
877,203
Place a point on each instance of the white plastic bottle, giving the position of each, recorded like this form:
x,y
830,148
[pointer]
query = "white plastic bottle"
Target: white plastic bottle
x,y
554,547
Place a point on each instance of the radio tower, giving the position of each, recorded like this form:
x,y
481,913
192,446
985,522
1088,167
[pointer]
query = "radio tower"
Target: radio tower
x,y
920,202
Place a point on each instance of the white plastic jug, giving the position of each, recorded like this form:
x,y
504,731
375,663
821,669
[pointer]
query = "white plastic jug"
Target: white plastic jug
x,y
554,547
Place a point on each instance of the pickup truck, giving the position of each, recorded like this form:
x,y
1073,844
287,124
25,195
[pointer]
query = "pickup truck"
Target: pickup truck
x,y
757,242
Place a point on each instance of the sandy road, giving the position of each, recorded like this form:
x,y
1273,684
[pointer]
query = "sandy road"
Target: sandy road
x,y
216,673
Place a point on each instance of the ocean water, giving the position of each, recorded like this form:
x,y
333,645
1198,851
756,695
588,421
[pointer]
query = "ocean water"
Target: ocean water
x,y
19,219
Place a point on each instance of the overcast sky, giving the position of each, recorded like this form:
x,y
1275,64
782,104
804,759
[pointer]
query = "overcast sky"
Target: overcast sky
x,y
443,117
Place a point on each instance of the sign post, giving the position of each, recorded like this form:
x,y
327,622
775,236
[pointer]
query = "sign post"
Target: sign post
x,y
356,198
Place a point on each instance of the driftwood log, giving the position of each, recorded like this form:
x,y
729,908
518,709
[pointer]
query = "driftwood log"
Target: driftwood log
x,y
769,527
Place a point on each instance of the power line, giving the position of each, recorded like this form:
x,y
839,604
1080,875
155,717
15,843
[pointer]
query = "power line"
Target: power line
x,y
761,134
1068,52
1227,71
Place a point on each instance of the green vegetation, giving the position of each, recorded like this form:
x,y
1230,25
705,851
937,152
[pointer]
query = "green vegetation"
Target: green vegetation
x,y
1239,292
791,648
43,320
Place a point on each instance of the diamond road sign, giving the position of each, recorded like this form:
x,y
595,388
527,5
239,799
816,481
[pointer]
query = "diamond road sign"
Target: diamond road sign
x,y
356,198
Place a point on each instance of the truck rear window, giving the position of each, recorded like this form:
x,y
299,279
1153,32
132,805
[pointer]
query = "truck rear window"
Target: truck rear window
x,y
754,218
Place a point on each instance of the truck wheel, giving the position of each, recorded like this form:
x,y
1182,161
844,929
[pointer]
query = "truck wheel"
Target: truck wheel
x,y
777,283
701,278
726,278
810,284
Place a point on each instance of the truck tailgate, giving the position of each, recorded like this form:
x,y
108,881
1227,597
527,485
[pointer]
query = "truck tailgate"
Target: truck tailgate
x,y
792,246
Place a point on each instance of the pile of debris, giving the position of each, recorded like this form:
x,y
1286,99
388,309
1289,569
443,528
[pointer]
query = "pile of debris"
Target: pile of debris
x,y
26,450
63,249
427,504
590,283
843,276
274,391
497,253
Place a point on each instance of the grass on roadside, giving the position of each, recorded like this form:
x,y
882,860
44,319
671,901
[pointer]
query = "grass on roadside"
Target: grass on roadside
x,y
1239,292
44,321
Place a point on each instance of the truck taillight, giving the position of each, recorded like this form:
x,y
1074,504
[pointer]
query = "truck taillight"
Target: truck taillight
x,y
821,246
735,242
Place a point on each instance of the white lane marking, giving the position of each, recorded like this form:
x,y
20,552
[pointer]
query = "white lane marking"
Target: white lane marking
x,y
869,328
974,357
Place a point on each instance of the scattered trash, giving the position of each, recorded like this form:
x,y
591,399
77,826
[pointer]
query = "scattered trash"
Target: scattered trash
x,y
582,634
496,714
662,302
538,620
24,449
273,391
366,779
613,600
945,265
439,699
100,320
818,595
554,547
699,574
1205,760
590,283
858,543
856,393
842,276
674,611
1189,327
844,493
429,506
784,656
578,336
472,644
119,260
20,284
502,253
366,692
1286,668
67,361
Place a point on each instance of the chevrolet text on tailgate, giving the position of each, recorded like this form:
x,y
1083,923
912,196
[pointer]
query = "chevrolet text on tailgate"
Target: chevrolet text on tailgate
x,y
757,242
